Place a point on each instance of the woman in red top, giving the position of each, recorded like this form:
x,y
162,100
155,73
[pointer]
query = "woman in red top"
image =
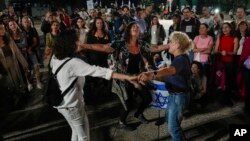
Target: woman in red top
x,y
226,46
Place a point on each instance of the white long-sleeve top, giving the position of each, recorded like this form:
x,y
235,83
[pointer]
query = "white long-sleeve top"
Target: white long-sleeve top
x,y
69,72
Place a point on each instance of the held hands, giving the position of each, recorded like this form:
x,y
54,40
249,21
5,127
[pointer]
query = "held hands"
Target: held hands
x,y
144,77
133,80
140,79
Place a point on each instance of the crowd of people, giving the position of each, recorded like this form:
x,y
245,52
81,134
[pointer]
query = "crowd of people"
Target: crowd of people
x,y
203,59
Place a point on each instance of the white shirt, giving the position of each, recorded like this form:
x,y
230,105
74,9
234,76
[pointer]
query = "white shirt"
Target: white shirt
x,y
69,72
242,40
154,39
82,35
209,21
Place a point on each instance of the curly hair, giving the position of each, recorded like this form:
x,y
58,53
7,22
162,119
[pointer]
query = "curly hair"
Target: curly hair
x,y
127,33
65,44
182,39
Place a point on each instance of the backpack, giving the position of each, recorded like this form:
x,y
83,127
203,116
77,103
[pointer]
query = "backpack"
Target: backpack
x,y
52,93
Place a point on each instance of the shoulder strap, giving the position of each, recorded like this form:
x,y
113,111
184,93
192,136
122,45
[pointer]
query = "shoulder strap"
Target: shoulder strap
x,y
71,85
59,68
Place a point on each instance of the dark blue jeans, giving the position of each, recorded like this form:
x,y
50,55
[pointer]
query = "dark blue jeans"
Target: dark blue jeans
x,y
174,113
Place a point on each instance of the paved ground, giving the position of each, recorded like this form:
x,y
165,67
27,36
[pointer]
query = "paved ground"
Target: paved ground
x,y
35,121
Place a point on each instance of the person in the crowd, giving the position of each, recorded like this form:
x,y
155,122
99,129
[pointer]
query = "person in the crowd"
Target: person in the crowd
x,y
50,39
218,21
65,17
176,18
25,13
109,24
177,78
104,17
19,37
10,56
203,44
156,32
83,14
92,16
148,11
5,18
246,73
207,18
189,24
73,107
81,29
226,46
142,24
97,35
126,18
74,16
138,11
46,24
95,86
240,16
117,23
60,19
131,57
198,84
12,13
32,45
241,33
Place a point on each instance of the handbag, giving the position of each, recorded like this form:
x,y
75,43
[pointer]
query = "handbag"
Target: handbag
x,y
247,63
52,93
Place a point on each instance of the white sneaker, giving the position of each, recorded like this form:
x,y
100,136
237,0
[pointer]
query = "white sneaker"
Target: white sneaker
x,y
39,85
30,87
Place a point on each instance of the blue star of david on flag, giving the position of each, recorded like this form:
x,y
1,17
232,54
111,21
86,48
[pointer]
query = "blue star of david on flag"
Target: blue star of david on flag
x,y
159,96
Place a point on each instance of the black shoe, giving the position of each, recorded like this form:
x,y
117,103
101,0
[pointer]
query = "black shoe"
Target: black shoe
x,y
125,126
142,119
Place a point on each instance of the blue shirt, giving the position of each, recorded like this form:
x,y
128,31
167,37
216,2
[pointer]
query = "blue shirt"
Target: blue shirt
x,y
179,82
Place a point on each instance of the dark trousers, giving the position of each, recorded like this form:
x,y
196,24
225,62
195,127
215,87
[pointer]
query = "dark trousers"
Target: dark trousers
x,y
228,95
144,100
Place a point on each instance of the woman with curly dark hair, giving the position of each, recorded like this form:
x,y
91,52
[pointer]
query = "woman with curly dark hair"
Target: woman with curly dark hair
x,y
130,57
73,107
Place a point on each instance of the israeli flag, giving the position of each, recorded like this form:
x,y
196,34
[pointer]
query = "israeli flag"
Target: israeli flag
x,y
159,95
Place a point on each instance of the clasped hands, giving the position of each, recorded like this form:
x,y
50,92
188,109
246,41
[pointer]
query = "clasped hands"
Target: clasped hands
x,y
141,79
